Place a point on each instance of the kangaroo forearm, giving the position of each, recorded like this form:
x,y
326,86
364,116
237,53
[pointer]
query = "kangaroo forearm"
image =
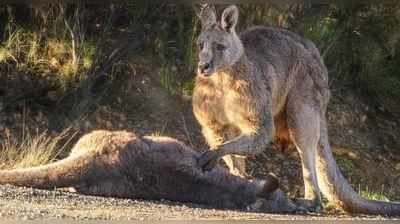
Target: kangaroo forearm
x,y
213,138
246,145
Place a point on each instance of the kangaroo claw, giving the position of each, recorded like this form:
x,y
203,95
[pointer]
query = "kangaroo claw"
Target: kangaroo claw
x,y
208,160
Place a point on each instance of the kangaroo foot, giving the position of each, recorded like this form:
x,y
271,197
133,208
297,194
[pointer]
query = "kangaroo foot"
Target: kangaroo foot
x,y
309,205
276,202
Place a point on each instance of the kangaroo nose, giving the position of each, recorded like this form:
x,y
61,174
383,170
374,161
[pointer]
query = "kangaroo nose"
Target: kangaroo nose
x,y
204,66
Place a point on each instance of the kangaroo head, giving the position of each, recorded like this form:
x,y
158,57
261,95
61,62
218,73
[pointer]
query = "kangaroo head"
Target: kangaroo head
x,y
219,45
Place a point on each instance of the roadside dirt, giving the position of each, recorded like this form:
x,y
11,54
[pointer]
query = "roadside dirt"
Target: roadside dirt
x,y
32,204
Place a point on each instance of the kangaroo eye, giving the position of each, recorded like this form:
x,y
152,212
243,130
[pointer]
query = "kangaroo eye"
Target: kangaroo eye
x,y
221,47
201,45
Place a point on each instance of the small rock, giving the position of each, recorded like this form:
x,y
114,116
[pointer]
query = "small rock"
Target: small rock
x,y
385,147
109,125
280,156
87,124
52,95
397,167
363,118
60,216
123,117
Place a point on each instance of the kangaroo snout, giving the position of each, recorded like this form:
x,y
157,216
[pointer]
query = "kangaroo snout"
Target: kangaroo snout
x,y
204,68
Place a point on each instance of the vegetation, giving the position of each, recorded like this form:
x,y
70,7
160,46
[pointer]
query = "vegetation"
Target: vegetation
x,y
371,195
33,149
360,42
64,65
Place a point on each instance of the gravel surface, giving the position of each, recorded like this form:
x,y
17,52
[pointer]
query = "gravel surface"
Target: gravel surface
x,y
27,203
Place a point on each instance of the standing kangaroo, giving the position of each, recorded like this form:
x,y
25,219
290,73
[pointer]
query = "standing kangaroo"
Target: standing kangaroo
x,y
266,84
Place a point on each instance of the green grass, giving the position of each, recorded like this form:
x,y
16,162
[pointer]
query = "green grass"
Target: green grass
x,y
371,195
345,164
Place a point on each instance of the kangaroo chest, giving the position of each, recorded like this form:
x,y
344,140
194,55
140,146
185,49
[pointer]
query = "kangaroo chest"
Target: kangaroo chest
x,y
220,100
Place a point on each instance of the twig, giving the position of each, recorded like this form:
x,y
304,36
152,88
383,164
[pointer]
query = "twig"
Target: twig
x,y
331,44
187,131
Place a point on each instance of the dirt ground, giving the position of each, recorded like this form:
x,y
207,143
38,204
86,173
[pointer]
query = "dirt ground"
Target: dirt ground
x,y
32,204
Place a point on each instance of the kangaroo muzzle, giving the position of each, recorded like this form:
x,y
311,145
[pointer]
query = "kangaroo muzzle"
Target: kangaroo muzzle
x,y
204,68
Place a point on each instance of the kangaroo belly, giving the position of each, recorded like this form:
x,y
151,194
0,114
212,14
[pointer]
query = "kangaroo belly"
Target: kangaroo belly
x,y
282,136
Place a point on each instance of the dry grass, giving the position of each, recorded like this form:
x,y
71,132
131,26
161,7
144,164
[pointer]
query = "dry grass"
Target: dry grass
x,y
67,54
33,149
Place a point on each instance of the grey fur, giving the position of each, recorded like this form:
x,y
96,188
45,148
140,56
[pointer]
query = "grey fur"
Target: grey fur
x,y
270,84
120,164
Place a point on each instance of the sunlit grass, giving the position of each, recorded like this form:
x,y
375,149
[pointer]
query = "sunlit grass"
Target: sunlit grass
x,y
33,149
26,51
3,54
371,195
11,46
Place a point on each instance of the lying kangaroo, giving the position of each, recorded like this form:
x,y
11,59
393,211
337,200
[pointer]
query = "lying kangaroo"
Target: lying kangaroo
x,y
266,84
120,164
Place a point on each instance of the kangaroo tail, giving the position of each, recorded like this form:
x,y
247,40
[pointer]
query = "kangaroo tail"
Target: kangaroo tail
x,y
336,188
67,172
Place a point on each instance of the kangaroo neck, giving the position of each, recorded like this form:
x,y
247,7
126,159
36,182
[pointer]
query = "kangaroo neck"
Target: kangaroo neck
x,y
239,70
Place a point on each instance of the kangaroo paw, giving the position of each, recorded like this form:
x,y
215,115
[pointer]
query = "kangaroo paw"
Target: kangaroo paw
x,y
208,160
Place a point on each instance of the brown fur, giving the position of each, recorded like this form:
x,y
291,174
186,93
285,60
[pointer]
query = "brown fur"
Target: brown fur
x,y
269,84
121,164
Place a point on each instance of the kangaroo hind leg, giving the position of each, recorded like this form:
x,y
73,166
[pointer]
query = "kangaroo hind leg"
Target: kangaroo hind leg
x,y
304,129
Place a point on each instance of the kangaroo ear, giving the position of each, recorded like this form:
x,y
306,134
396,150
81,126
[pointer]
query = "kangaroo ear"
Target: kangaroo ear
x,y
207,15
230,18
